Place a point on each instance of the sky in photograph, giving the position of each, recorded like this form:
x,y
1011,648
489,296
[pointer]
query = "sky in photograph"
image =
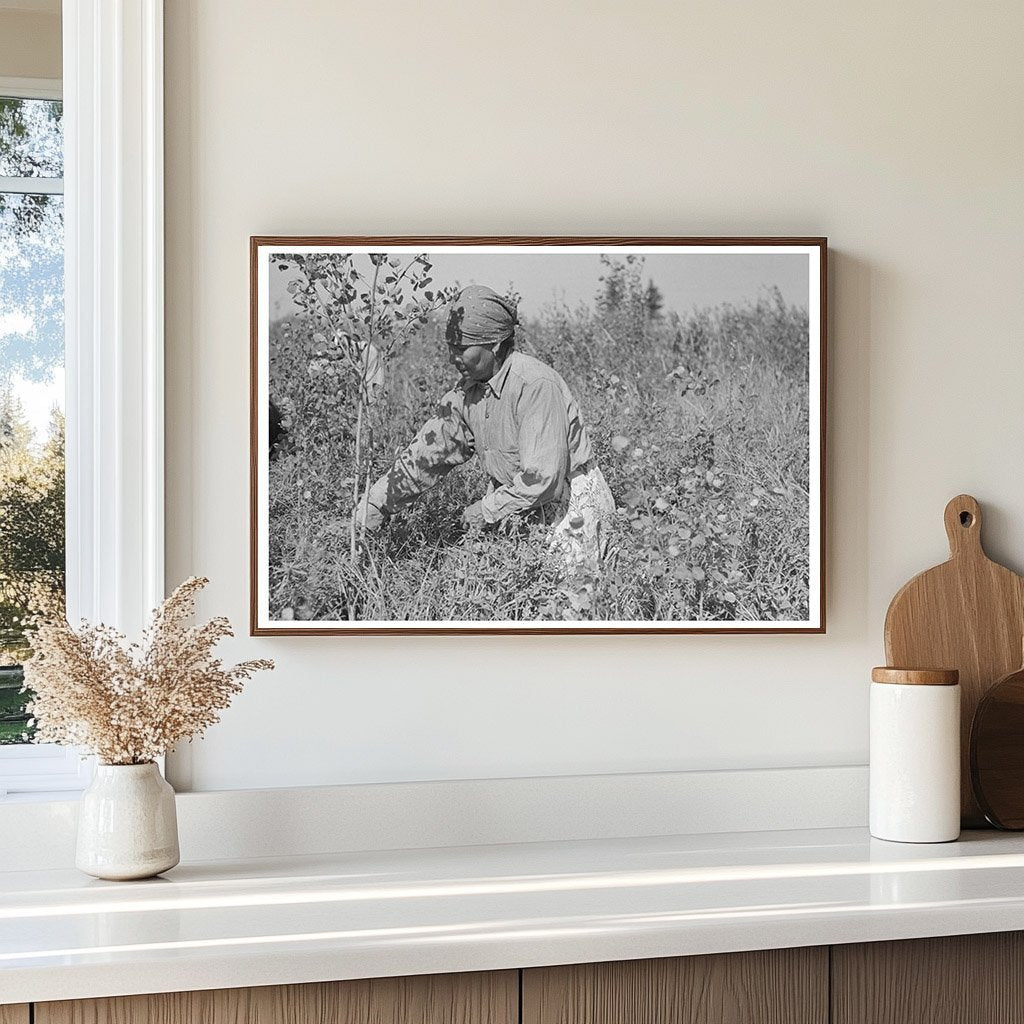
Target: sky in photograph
x,y
686,280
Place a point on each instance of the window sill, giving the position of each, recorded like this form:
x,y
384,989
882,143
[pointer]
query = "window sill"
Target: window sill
x,y
40,798
38,831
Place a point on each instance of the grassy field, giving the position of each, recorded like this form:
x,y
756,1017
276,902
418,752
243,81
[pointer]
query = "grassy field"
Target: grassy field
x,y
700,425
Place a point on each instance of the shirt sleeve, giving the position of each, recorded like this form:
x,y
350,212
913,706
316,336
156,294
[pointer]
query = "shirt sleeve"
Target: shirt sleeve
x,y
543,453
442,443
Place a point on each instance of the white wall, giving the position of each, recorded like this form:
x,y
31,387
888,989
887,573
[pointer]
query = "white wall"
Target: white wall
x,y
895,129
30,41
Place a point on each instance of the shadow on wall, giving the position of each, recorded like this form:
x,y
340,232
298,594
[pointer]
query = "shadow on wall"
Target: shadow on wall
x,y
852,290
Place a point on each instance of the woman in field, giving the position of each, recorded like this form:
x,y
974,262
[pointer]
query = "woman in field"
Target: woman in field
x,y
518,416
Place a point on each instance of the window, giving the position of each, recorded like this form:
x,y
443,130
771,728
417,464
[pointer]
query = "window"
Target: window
x,y
31,382
32,533
113,331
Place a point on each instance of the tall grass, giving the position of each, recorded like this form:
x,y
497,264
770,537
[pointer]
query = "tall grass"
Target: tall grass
x,y
699,423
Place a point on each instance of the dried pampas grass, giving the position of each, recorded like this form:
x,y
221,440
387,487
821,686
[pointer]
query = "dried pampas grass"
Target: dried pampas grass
x,y
130,703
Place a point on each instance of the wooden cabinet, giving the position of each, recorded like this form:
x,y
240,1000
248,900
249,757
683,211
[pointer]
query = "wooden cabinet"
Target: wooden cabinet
x,y
962,979
967,979
491,998
777,986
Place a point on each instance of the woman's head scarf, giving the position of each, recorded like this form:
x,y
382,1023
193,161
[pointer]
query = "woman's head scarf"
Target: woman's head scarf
x,y
480,316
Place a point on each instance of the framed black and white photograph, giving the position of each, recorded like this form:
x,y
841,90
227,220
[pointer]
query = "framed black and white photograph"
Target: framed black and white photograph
x,y
537,435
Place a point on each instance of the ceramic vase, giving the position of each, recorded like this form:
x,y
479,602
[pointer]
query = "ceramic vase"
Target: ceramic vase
x,y
127,825
915,755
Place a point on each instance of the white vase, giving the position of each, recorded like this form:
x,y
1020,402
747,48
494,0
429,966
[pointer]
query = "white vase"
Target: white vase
x,y
914,777
127,825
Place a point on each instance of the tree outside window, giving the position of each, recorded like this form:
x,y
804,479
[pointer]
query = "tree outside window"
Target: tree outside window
x,y
32,544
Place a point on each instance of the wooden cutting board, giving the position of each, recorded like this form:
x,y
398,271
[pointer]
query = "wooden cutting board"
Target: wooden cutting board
x,y
967,614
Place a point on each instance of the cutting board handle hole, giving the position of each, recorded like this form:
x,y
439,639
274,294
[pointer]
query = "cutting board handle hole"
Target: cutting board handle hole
x,y
966,519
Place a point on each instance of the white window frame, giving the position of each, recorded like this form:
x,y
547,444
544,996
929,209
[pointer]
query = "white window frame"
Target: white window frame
x,y
114,348
31,89
41,767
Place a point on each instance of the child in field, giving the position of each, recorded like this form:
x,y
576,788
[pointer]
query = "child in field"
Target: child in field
x,y
518,416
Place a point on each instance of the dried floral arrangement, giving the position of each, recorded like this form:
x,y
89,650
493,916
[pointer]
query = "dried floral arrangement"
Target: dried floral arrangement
x,y
130,703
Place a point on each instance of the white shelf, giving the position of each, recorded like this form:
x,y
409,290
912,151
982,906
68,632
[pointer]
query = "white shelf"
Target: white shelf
x,y
352,915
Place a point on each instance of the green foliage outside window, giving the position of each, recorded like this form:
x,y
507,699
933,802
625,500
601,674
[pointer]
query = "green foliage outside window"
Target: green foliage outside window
x,y
32,544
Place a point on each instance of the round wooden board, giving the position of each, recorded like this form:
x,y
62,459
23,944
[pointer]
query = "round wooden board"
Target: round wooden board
x,y
997,752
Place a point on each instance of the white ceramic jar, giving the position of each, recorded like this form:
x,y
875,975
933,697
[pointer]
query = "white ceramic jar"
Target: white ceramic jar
x,y
915,755
127,823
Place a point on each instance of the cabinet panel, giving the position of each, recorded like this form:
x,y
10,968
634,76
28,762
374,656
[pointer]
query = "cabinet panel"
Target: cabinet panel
x,y
777,986
481,998
961,979
14,1014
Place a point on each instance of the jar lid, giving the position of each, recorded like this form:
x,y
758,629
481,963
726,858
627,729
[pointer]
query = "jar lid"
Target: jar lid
x,y
916,676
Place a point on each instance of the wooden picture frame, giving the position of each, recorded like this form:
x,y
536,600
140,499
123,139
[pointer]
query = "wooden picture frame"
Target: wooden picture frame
x,y
696,366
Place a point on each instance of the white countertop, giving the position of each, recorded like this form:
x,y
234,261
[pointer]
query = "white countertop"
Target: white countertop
x,y
224,924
